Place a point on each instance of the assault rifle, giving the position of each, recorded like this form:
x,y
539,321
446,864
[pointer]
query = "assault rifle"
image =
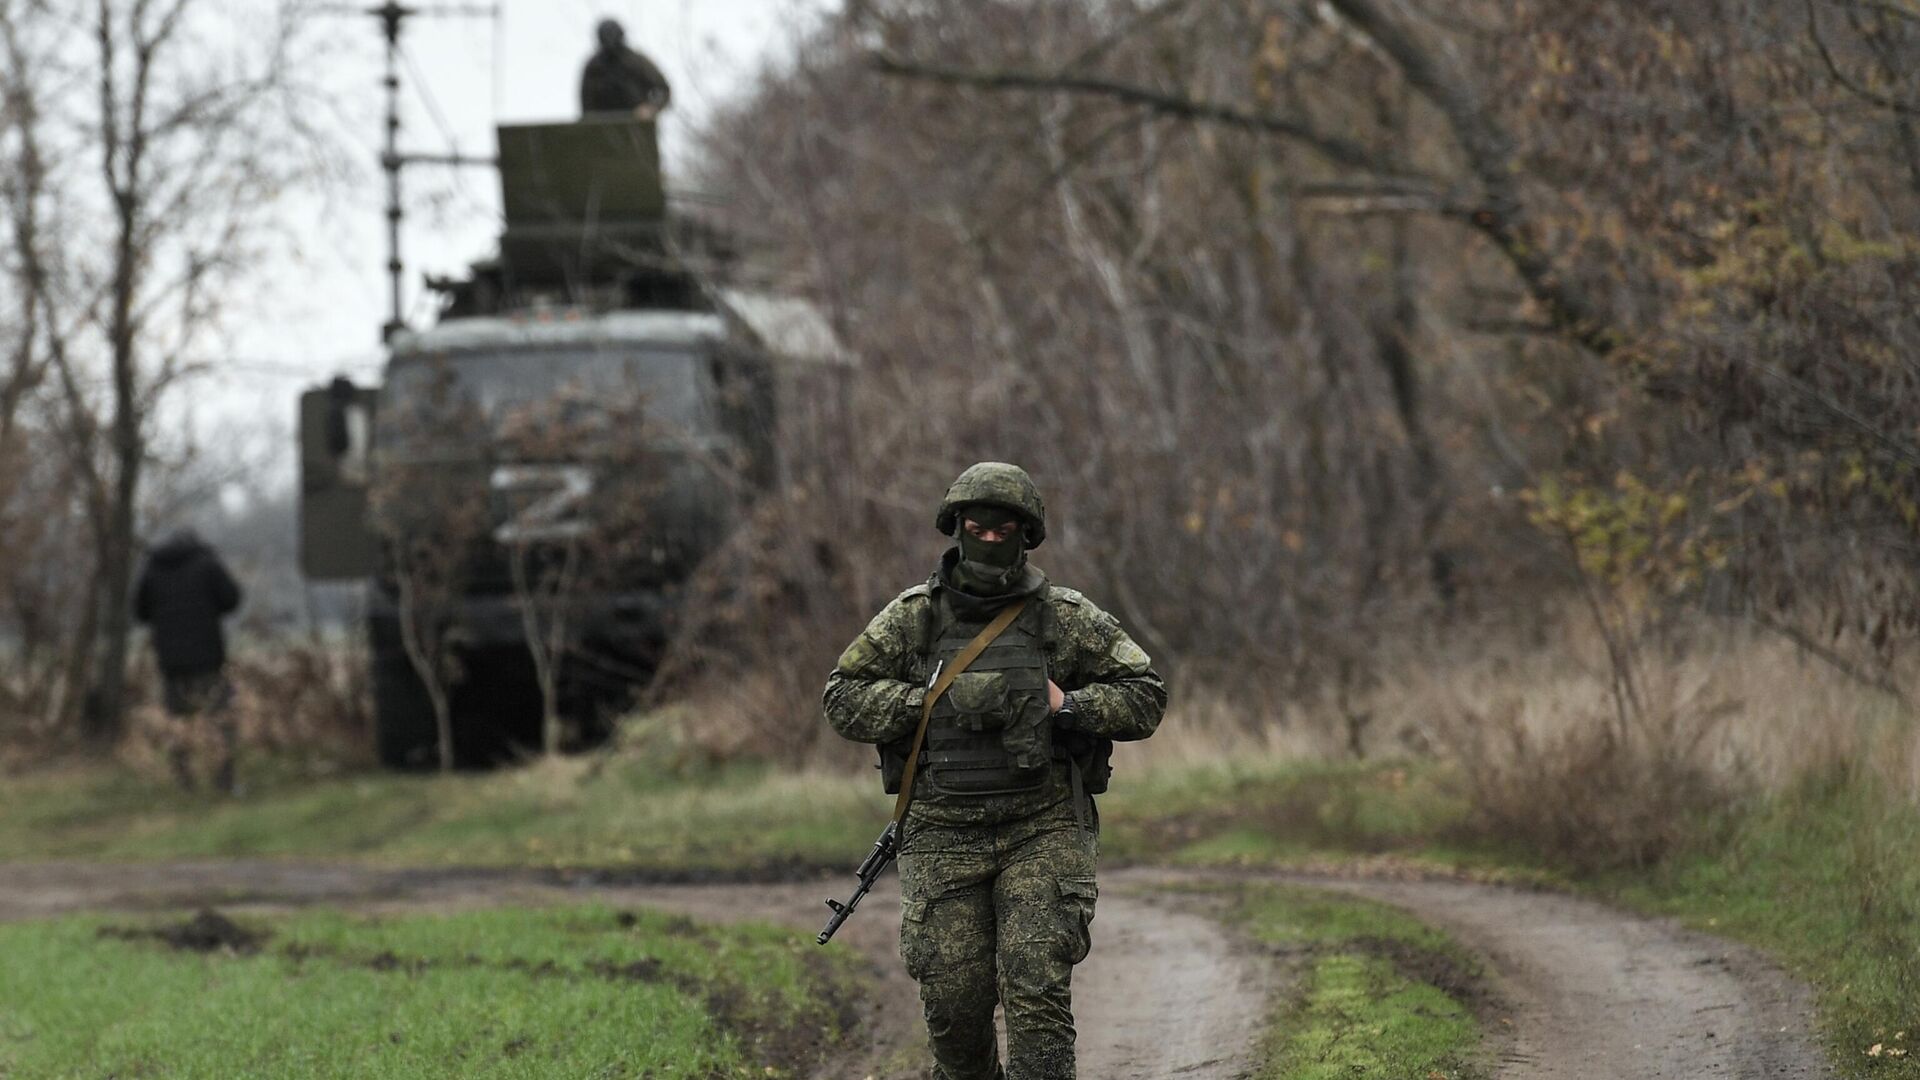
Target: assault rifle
x,y
876,863
885,848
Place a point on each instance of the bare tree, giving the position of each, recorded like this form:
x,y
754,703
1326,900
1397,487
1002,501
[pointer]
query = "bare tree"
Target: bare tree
x,y
582,454
1311,314
1487,199
546,570
429,506
174,134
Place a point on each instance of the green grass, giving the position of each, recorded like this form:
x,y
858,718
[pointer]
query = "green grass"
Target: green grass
x,y
1377,993
1252,812
621,810
609,811
499,993
1825,877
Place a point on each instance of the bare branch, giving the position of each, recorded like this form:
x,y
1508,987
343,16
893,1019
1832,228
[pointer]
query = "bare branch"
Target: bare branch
x,y
1875,435
1497,214
1333,148
1846,81
26,179
1905,9
1490,156
1806,643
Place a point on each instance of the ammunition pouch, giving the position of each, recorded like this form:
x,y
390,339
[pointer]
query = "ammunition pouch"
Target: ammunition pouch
x,y
980,701
1092,754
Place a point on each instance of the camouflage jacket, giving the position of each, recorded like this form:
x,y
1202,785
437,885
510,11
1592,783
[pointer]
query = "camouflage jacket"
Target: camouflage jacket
x,y
877,689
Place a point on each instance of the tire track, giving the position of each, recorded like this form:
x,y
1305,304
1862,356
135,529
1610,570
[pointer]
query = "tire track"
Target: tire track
x,y
1594,992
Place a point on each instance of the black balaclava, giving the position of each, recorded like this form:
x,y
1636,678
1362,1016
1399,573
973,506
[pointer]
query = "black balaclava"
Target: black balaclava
x,y
990,569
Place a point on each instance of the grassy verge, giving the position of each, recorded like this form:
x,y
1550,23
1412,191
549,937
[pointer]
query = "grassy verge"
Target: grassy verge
x,y
1825,878
609,811
623,811
499,993
1257,812
1376,993
1822,876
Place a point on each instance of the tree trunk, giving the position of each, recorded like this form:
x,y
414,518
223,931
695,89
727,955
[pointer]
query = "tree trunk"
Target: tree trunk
x,y
105,717
106,712
1396,333
424,645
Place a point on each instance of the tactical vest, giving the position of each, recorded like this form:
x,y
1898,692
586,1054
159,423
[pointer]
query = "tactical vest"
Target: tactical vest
x,y
990,733
1088,755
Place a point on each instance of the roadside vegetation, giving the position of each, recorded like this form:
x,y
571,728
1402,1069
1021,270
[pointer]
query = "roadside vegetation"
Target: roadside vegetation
x,y
1823,878
1791,826
745,820
499,993
1373,992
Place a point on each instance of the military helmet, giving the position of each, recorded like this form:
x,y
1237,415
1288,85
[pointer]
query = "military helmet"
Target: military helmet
x,y
995,483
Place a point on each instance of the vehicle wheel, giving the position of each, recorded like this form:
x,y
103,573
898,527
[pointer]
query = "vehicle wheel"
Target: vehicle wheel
x,y
404,735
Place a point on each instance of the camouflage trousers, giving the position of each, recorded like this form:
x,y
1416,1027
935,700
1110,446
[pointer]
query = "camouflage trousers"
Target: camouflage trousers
x,y
998,914
193,699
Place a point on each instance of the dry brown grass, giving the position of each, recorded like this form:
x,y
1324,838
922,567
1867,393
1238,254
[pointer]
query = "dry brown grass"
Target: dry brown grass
x,y
305,696
1601,791
1545,750
1545,753
306,693
763,713
1551,755
1212,723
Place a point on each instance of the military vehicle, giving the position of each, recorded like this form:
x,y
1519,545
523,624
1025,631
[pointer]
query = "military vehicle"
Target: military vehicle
x,y
596,284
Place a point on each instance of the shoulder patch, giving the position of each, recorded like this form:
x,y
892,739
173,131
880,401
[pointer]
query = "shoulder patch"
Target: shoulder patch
x,y
1128,655
1066,596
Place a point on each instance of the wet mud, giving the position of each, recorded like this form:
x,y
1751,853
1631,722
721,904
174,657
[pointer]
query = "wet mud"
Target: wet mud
x,y
207,931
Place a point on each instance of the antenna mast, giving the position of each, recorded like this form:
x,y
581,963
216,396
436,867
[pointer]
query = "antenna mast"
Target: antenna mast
x,y
393,17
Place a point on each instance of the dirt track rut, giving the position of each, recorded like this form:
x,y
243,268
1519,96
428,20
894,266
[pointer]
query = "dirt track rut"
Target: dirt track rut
x,y
1586,991
1590,992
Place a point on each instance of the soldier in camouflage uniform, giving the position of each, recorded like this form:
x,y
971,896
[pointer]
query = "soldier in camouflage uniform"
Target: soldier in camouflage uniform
x,y
998,849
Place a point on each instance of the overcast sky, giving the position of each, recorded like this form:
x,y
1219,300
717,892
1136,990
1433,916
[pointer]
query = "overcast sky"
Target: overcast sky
x,y
317,313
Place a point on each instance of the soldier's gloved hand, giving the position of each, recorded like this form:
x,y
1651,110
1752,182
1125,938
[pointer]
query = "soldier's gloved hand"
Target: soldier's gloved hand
x,y
1066,708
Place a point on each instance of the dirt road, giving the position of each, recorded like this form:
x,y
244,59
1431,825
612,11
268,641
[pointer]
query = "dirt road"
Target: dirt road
x,y
1592,993
1583,990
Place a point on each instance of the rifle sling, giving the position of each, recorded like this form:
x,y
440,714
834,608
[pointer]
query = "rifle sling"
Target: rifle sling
x,y
952,671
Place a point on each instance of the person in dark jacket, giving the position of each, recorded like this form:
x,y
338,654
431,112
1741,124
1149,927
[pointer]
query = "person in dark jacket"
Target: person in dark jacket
x,y
183,592
618,79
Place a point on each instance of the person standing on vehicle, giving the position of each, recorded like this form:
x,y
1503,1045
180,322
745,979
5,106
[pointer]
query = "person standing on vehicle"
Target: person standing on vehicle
x,y
183,592
618,79
998,848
